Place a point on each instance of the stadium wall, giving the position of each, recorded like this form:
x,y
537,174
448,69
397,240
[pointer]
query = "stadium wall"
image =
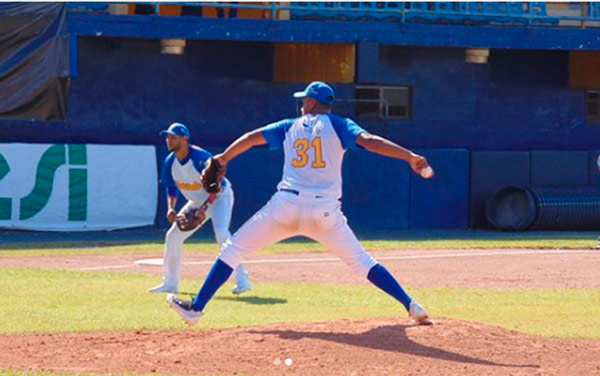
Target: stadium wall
x,y
126,92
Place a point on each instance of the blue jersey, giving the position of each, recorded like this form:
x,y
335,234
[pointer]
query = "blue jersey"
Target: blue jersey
x,y
314,147
185,175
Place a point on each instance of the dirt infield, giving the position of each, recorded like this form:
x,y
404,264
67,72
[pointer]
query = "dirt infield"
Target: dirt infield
x,y
484,268
343,347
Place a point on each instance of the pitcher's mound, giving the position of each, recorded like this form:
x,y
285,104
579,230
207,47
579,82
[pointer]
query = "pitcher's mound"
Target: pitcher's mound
x,y
345,347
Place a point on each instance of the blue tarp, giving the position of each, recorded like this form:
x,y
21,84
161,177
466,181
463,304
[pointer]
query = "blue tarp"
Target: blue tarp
x,y
34,61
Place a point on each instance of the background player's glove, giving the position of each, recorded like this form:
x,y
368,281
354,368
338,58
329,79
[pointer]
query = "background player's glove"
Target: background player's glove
x,y
190,217
213,175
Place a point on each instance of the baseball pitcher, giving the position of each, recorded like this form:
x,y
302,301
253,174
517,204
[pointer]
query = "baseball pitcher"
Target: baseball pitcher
x,y
182,171
307,198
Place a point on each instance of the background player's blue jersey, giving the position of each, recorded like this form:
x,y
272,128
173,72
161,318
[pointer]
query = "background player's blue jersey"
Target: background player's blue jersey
x,y
185,175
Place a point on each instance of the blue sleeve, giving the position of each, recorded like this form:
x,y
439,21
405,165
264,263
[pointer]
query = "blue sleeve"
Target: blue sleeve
x,y
199,158
166,177
346,129
275,133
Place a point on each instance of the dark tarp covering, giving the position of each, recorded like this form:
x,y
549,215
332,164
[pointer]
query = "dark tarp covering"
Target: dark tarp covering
x,y
34,61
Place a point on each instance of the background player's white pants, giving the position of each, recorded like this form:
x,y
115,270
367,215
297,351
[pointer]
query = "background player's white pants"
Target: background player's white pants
x,y
220,214
287,215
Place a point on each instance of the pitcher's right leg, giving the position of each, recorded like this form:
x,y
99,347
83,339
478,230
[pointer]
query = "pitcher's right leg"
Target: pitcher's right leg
x,y
339,238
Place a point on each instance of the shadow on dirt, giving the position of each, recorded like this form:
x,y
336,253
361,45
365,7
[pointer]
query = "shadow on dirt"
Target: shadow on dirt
x,y
389,338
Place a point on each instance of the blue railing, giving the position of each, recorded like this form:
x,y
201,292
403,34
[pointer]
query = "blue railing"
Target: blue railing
x,y
435,12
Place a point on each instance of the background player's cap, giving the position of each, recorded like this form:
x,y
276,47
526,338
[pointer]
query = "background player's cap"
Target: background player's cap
x,y
176,129
319,91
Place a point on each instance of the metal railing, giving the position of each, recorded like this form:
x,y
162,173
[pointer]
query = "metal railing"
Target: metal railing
x,y
458,12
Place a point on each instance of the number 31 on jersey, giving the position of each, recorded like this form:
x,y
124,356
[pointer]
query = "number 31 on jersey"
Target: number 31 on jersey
x,y
302,145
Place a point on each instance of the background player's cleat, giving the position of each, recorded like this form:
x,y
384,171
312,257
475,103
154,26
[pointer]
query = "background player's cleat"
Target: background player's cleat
x,y
164,288
419,314
241,287
184,309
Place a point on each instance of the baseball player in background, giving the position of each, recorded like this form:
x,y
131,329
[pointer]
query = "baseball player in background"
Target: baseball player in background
x,y
181,171
307,198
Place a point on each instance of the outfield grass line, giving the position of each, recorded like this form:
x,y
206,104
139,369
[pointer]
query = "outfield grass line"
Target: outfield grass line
x,y
405,257
154,262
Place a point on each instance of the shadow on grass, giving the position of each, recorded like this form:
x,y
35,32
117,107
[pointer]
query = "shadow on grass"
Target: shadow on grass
x,y
257,300
391,338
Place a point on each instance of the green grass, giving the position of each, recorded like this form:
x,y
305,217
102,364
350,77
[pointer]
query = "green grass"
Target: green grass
x,y
383,240
565,312
59,300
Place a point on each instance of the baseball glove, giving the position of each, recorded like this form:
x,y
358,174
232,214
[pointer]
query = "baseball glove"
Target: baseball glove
x,y
190,217
212,176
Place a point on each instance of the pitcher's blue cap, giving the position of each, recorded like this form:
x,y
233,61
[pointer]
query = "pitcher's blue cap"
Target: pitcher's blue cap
x,y
317,90
176,129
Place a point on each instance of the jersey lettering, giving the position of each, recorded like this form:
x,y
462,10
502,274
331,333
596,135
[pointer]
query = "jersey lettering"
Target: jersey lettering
x,y
319,162
302,145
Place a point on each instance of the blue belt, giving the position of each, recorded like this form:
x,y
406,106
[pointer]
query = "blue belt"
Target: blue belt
x,y
297,193
290,191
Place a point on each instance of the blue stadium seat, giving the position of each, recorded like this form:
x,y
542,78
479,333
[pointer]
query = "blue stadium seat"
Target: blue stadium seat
x,y
538,8
474,11
539,14
87,6
450,6
594,9
515,9
421,10
451,10
356,10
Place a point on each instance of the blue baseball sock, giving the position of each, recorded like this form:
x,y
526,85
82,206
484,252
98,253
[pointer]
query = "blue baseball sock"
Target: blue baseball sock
x,y
217,276
380,277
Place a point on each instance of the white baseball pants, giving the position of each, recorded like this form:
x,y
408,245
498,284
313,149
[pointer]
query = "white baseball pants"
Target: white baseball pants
x,y
287,215
220,214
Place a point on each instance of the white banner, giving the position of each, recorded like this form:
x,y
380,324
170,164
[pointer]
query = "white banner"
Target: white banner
x,y
58,187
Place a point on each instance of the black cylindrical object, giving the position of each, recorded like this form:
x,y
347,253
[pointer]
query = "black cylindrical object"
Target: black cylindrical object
x,y
545,208
511,208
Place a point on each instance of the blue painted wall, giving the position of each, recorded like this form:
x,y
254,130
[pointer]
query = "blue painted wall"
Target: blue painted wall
x,y
442,201
407,34
376,191
492,171
520,100
559,168
126,92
